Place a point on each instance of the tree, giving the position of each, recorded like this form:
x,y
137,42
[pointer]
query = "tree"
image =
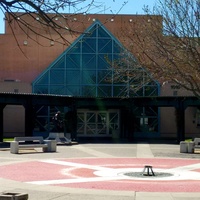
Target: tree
x,y
167,42
129,72
47,16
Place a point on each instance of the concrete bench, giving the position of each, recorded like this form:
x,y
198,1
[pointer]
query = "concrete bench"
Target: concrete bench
x,y
196,144
32,142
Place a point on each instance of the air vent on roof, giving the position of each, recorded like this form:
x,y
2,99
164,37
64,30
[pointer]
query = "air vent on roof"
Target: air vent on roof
x,y
9,80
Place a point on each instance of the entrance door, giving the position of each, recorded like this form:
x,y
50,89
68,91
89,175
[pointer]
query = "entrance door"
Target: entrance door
x,y
97,123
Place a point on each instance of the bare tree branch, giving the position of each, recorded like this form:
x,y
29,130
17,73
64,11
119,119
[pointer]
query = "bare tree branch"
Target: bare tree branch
x,y
42,11
168,42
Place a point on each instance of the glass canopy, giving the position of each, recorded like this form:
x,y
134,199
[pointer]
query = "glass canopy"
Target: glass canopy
x,y
95,65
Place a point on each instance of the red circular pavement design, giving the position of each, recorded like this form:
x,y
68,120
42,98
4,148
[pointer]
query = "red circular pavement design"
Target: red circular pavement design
x,y
80,173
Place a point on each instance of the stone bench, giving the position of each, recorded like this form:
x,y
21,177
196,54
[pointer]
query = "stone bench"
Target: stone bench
x,y
32,142
196,144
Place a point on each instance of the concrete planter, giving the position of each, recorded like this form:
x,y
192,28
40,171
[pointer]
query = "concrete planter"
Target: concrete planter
x,y
183,147
186,147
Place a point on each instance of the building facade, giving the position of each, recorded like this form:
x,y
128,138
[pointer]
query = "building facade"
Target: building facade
x,y
94,64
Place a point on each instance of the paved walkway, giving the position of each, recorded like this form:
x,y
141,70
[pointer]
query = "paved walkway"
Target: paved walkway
x,y
102,171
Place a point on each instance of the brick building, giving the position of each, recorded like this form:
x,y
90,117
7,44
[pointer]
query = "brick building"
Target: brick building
x,y
30,63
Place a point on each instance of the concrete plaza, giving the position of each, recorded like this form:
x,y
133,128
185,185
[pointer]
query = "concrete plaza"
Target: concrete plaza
x,y
76,172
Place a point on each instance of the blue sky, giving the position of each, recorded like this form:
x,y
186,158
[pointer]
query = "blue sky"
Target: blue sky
x,y
132,7
112,6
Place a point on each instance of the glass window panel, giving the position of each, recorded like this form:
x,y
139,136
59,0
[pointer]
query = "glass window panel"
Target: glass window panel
x,y
153,124
44,79
113,117
89,61
117,48
118,63
118,77
88,90
120,91
92,33
114,120
80,122
91,123
41,110
41,124
57,89
105,45
139,92
151,111
108,57
90,129
81,118
73,77
104,76
150,91
102,118
91,117
104,91
73,90
80,129
89,45
41,89
104,62
56,76
75,48
137,77
102,33
73,61
89,77
102,123
60,63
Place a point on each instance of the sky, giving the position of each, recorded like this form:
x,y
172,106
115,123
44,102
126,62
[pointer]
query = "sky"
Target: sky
x,y
111,6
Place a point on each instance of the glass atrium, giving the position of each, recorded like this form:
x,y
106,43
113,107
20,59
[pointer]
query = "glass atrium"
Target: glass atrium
x,y
97,65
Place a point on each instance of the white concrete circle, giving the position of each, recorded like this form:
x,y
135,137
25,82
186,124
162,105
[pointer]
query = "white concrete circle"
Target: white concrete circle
x,y
175,174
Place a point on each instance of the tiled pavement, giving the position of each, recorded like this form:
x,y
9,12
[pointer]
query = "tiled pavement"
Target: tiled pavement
x,y
96,171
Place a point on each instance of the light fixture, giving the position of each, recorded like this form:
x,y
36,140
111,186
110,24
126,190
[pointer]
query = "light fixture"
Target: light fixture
x,y
130,20
112,20
37,18
52,43
25,42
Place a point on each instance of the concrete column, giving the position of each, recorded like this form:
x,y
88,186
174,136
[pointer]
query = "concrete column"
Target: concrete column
x,y
28,119
2,106
180,121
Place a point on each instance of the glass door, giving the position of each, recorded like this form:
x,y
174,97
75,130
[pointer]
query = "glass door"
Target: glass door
x,y
97,123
